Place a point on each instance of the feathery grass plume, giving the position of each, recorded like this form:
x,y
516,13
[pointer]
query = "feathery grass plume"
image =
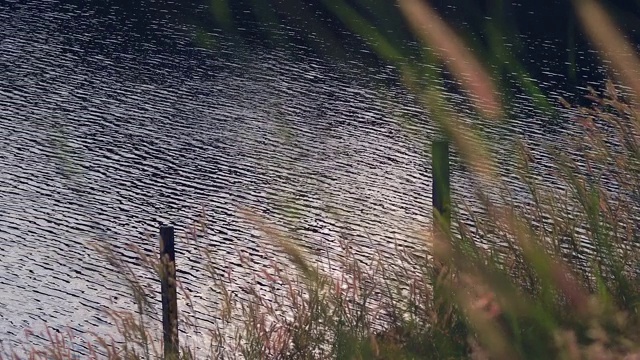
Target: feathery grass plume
x,y
282,240
449,47
467,69
611,44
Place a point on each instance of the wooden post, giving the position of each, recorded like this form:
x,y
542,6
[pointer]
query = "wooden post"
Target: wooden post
x,y
441,191
169,292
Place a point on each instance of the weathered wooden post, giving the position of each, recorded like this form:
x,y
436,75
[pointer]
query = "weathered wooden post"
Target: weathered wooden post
x,y
441,191
169,292
441,200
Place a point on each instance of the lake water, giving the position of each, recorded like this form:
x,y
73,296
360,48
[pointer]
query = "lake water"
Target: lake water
x,y
107,130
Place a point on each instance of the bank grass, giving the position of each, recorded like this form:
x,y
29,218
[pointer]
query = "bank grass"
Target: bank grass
x,y
549,272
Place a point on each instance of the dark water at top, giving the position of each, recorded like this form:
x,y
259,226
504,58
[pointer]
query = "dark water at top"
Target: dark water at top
x,y
107,129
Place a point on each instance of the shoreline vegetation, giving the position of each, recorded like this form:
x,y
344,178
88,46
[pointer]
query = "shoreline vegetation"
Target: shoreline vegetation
x,y
560,279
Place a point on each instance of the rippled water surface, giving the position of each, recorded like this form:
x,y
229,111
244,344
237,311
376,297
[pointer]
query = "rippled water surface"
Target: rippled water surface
x,y
107,130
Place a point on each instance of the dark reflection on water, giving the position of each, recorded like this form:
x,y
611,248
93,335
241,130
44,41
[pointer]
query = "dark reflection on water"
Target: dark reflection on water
x,y
107,128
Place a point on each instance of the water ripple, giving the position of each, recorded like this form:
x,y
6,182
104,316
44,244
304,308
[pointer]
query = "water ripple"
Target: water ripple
x,y
104,134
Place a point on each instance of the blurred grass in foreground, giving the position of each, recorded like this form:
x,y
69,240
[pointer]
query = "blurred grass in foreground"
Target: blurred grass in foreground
x,y
560,282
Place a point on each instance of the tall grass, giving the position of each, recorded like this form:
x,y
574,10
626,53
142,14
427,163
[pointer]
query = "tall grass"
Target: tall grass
x,y
559,281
